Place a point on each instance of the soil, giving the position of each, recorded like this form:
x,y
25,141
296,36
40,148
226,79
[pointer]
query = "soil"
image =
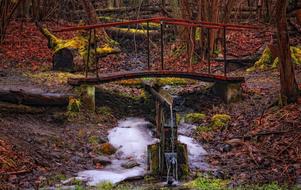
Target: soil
x,y
42,149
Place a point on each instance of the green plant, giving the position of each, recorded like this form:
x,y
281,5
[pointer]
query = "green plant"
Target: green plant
x,y
106,111
94,140
204,128
220,120
207,183
194,117
106,185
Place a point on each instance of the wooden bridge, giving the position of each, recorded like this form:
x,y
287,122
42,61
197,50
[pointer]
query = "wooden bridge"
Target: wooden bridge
x,y
206,76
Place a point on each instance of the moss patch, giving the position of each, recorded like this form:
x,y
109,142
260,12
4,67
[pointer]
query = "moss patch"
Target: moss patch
x,y
74,105
194,118
207,183
220,120
267,62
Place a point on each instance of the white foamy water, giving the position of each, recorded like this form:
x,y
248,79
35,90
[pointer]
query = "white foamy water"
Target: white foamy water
x,y
131,138
196,153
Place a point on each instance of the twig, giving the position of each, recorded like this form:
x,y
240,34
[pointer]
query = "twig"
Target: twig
x,y
18,172
298,137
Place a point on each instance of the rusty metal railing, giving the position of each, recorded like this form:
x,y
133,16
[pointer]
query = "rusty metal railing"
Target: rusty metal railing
x,y
163,21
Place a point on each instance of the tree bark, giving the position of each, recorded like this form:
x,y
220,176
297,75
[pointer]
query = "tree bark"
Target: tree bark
x,y
289,87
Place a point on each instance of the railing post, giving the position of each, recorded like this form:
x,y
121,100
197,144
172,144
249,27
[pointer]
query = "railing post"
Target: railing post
x,y
208,51
88,54
162,44
148,47
95,51
225,52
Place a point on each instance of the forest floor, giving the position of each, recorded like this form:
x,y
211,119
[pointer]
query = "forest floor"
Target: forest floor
x,y
261,144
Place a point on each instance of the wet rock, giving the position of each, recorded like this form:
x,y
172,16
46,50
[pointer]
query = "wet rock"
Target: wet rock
x,y
130,164
76,159
219,174
226,148
107,149
234,142
103,140
103,160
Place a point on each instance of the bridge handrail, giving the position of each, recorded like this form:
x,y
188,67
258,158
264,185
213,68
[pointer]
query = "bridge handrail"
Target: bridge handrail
x,y
173,21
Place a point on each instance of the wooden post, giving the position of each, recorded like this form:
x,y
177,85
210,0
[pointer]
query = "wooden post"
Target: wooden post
x,y
87,96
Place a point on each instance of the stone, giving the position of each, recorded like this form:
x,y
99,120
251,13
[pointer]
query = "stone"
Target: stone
x,y
218,174
226,148
235,142
130,164
229,92
107,149
103,160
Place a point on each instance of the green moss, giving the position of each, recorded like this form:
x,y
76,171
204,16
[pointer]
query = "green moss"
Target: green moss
x,y
194,118
94,140
220,120
105,186
79,43
74,105
106,111
202,129
266,61
178,118
133,31
263,62
153,151
207,183
170,81
296,55
275,63
52,78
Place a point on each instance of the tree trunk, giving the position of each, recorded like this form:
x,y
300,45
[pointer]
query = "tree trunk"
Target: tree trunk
x,y
289,87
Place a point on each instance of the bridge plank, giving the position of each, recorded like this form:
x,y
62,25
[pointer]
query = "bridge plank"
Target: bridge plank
x,y
106,78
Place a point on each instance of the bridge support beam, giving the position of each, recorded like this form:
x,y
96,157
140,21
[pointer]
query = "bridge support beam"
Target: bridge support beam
x,y
229,92
87,97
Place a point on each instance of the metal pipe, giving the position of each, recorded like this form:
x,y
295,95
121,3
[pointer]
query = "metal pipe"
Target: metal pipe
x,y
148,47
225,52
95,53
88,56
208,51
162,44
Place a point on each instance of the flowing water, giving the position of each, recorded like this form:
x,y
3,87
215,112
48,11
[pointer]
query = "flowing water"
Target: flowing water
x,y
131,138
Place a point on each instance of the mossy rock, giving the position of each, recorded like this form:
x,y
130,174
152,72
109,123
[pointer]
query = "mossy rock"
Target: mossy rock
x,y
267,62
107,149
194,118
220,120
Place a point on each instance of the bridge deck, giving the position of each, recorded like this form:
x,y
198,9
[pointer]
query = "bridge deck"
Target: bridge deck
x,y
106,78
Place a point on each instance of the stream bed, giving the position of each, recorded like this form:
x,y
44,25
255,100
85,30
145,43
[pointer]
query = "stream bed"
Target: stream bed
x,y
131,138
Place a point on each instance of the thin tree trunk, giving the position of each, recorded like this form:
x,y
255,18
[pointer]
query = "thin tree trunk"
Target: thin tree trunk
x,y
289,87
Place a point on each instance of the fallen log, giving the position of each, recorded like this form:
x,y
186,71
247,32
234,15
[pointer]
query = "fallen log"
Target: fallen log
x,y
76,51
35,99
21,109
131,33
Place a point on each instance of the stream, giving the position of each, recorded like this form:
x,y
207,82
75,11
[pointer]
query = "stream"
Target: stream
x,y
131,138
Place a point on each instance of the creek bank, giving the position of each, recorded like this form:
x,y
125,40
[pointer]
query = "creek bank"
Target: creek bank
x,y
131,138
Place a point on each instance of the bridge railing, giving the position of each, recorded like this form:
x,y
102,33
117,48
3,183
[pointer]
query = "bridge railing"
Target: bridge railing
x,y
164,21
